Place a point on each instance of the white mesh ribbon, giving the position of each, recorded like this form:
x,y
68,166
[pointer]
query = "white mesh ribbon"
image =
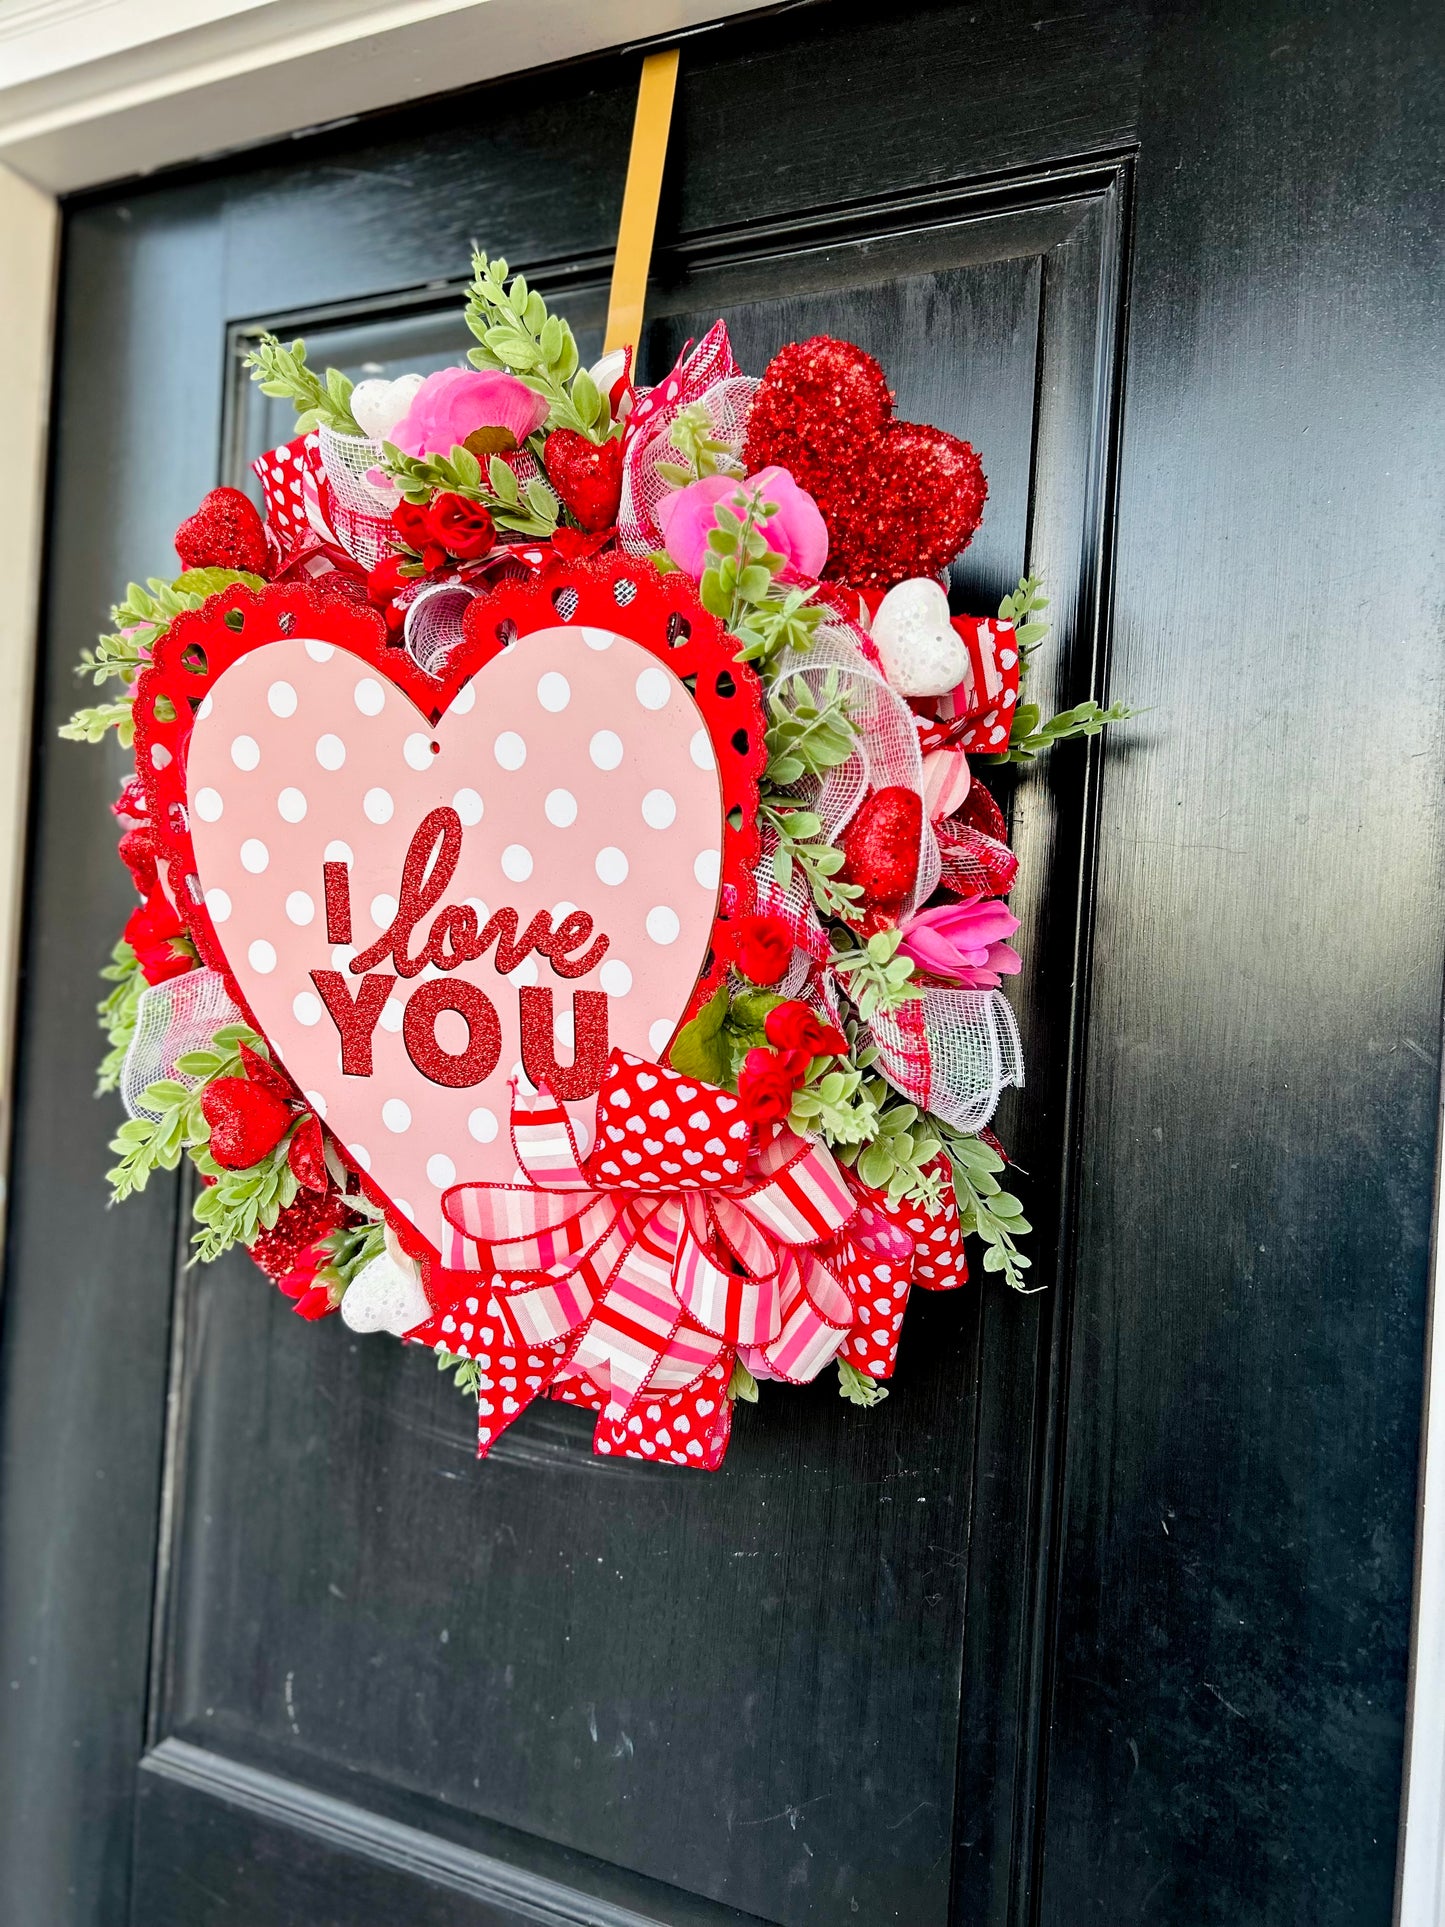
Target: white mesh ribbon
x,y
434,623
705,375
362,499
173,1018
886,755
972,1053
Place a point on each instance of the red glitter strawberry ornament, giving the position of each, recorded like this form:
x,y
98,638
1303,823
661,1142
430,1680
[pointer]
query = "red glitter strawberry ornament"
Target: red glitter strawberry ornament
x,y
226,532
247,1120
586,475
900,499
880,847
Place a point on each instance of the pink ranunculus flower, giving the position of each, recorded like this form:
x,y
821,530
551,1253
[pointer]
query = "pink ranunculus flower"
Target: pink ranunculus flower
x,y
962,942
796,529
455,402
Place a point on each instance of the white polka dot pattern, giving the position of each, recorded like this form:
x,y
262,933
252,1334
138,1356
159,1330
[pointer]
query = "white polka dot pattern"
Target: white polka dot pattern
x,y
582,778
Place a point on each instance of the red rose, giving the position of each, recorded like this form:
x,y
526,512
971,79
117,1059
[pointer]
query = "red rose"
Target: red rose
x,y
762,948
793,1027
152,932
462,527
302,1276
766,1084
412,522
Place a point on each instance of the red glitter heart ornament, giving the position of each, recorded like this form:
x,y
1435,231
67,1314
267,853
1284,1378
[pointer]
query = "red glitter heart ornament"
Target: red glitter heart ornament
x,y
900,499
226,532
586,475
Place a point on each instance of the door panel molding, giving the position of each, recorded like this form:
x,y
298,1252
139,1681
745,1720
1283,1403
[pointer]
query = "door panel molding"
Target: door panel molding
x,y
425,1861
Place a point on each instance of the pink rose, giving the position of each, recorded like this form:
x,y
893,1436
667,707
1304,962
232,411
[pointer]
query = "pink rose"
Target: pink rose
x,y
795,529
455,402
962,942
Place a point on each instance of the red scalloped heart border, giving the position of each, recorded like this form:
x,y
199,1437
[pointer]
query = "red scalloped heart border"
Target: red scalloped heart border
x,y
617,592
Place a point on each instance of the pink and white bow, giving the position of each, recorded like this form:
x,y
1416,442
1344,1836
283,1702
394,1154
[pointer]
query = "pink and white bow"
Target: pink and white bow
x,y
637,1278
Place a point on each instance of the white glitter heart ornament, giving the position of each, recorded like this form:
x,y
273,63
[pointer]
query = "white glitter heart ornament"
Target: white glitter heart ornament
x,y
922,654
379,405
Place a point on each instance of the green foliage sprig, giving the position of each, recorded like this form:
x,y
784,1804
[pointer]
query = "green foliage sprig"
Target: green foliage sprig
x,y
141,618
985,1209
904,1139
800,845
145,1146
877,977
712,1047
857,1387
93,723
319,402
119,1012
1024,609
1029,734
835,1104
516,331
810,731
349,1250
742,1384
738,586
468,1372
703,455
239,1205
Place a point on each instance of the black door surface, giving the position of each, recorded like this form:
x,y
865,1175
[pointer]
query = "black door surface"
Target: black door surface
x,y
1104,1616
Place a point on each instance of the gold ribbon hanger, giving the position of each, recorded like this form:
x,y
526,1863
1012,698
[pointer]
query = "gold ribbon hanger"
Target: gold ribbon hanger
x,y
633,262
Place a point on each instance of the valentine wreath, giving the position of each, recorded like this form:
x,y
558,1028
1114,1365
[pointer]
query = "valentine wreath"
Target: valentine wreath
x,y
571,927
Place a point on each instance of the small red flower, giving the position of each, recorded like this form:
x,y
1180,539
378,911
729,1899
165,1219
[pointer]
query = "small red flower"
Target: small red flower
x,y
794,1027
315,1302
247,1121
762,948
766,1084
462,527
302,1275
412,522
152,932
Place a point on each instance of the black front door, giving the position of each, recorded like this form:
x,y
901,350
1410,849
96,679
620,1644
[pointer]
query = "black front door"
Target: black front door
x,y
1104,1615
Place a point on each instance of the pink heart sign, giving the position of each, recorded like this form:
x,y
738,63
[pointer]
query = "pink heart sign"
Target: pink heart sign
x,y
417,913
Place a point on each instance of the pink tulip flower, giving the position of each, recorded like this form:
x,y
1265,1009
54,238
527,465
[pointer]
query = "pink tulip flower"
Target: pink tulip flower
x,y
961,943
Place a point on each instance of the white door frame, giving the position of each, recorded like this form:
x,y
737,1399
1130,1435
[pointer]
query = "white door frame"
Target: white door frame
x,y
165,81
